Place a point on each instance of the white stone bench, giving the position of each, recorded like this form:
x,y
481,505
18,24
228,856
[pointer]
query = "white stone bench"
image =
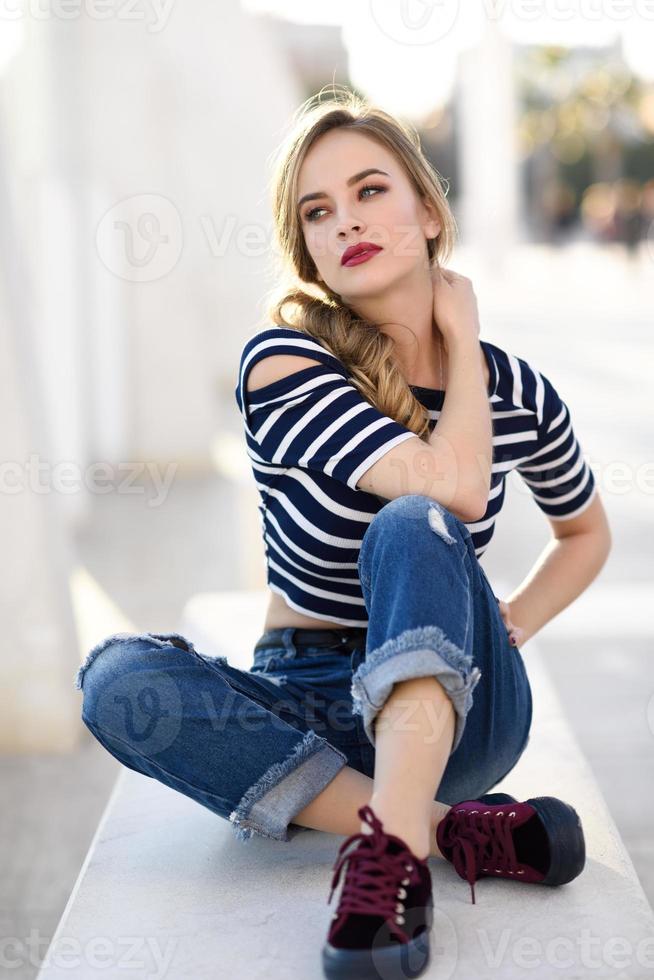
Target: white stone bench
x,y
167,890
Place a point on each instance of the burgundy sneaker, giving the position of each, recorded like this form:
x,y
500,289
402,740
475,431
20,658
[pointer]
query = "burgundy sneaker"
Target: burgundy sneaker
x,y
540,840
385,911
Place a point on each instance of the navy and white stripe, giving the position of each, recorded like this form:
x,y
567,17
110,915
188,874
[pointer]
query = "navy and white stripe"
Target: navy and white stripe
x,y
312,435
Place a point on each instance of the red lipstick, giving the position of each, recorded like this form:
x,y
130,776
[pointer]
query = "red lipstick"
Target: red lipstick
x,y
358,253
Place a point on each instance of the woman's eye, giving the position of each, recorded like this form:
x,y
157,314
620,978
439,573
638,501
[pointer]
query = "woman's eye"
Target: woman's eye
x,y
371,187
367,187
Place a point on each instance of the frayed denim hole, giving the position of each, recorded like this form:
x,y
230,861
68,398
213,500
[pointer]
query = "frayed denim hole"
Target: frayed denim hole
x,y
119,639
439,525
456,530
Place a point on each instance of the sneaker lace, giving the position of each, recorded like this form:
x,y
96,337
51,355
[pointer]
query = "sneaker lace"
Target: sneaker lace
x,y
371,882
480,840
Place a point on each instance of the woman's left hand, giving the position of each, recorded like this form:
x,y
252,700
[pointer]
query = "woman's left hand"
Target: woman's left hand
x,y
517,635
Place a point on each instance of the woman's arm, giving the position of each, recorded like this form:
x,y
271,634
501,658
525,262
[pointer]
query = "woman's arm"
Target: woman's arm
x,y
564,569
465,422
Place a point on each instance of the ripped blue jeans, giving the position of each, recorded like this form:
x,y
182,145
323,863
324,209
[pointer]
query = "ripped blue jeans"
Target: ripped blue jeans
x,y
257,746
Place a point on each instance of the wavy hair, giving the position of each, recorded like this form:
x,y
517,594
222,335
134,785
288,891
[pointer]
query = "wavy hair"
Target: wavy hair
x,y
365,351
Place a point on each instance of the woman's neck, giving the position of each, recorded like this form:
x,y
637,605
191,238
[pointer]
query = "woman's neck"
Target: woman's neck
x,y
405,312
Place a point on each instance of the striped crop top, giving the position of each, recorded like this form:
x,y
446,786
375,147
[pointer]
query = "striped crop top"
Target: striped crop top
x,y
311,435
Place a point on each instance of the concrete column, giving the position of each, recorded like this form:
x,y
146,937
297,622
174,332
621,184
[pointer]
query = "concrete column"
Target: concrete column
x,y
488,155
38,704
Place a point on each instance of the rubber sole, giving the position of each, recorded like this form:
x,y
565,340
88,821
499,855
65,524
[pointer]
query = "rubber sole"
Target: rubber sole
x,y
564,831
566,837
397,962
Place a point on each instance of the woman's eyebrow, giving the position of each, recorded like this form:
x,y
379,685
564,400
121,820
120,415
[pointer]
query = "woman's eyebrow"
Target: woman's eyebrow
x,y
349,182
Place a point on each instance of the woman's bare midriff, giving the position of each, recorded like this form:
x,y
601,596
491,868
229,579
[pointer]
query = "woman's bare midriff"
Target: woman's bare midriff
x,y
281,616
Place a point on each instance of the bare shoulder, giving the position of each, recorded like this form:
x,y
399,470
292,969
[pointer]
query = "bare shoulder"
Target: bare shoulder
x,y
276,367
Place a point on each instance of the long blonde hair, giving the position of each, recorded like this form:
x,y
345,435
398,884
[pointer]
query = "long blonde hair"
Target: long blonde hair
x,y
364,350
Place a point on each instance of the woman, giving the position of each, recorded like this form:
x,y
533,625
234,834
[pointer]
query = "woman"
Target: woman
x,y
357,715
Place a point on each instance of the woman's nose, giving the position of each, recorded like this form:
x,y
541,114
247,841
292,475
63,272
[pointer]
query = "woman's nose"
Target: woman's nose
x,y
348,223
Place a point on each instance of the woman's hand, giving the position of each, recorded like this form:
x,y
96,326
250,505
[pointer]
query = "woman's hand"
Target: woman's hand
x,y
517,635
455,306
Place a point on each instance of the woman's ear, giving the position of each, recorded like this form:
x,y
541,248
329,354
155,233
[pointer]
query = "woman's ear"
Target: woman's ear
x,y
432,225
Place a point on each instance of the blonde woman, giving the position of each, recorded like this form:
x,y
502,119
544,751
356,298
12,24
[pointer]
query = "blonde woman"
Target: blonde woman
x,y
387,693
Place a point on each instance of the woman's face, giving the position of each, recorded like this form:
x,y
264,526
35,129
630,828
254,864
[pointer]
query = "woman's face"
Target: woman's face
x,y
381,208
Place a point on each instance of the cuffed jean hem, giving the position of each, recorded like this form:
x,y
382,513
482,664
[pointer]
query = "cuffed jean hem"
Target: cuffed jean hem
x,y
421,652
268,807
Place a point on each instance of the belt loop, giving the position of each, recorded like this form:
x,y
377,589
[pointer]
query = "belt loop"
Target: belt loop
x,y
288,634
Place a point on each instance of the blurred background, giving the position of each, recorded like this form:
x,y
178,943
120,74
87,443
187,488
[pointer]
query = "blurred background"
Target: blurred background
x,y
135,247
